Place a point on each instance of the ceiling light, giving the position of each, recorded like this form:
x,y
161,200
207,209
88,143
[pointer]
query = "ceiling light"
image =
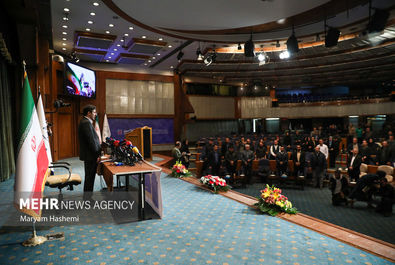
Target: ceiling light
x,y
149,61
126,34
122,40
281,21
112,53
74,57
66,9
88,29
239,47
108,32
90,22
115,49
292,44
143,36
169,46
284,55
262,58
249,48
109,57
64,26
118,45
111,25
131,28
92,13
64,33
96,4
158,54
210,58
64,44
65,18
278,44
107,61
241,88
199,54
171,67
179,56
153,58
64,38
160,39
64,49
145,64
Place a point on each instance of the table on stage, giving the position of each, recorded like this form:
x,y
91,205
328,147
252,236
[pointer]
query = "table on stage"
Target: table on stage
x,y
108,170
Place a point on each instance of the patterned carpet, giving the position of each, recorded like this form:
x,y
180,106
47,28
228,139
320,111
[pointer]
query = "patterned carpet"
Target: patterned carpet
x,y
198,227
317,203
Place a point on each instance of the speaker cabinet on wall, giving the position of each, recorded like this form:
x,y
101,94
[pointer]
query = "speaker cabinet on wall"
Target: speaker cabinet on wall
x,y
378,21
332,37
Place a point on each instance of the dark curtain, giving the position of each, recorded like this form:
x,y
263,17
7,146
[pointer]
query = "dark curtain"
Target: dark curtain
x,y
7,159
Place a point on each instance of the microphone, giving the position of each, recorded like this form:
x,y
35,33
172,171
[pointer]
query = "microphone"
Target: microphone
x,y
137,152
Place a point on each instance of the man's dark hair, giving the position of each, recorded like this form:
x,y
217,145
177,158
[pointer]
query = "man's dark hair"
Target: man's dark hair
x,y
88,108
380,174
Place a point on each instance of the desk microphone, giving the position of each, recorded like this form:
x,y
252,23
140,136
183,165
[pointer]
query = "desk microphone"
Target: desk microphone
x,y
136,152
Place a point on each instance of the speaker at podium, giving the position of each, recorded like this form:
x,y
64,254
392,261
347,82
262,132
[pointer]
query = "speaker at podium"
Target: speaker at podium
x,y
142,139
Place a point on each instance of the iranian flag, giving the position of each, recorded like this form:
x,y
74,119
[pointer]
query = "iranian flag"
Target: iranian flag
x,y
32,159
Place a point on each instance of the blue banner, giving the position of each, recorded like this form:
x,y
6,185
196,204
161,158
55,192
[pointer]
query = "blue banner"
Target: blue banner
x,y
162,129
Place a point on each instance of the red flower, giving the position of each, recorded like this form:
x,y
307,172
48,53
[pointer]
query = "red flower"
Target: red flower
x,y
178,171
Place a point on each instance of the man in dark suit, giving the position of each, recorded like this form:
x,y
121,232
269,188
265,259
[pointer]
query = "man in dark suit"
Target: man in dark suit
x,y
299,159
89,146
318,164
333,146
282,162
353,163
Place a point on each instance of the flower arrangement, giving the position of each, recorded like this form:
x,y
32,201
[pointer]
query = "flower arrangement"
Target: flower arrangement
x,y
179,170
215,183
273,202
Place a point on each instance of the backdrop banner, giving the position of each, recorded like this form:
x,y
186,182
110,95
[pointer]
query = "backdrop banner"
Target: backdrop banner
x,y
162,129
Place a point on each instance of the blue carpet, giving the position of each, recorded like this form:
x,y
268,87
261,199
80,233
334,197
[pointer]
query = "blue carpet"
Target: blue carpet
x,y
198,227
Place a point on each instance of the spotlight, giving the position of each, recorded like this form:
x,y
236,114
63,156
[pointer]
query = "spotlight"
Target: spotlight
x,y
74,57
199,55
278,44
284,55
179,56
239,47
210,59
292,44
263,58
332,37
249,48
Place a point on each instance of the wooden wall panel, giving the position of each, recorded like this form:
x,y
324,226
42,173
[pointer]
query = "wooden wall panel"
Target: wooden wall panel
x,y
65,124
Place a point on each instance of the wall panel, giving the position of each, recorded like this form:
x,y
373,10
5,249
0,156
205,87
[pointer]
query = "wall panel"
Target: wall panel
x,y
213,107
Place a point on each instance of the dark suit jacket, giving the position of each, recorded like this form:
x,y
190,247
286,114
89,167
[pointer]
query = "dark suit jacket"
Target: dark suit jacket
x,y
318,161
356,165
302,158
89,141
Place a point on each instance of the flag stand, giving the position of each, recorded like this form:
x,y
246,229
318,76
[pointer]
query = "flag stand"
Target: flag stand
x,y
34,240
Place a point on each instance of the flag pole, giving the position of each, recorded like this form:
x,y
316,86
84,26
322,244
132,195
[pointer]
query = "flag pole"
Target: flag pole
x,y
34,240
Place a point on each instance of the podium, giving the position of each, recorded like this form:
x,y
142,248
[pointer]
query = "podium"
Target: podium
x,y
142,139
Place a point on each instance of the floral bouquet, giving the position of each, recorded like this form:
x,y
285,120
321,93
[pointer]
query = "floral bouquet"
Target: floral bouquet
x,y
273,202
215,183
179,170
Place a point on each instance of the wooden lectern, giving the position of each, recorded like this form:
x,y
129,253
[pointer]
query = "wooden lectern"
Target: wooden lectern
x,y
142,139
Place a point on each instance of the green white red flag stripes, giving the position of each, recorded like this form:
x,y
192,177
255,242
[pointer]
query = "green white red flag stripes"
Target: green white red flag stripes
x,y
106,129
44,126
32,160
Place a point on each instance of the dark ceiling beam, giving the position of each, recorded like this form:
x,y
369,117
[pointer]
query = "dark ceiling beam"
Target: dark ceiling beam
x,y
164,58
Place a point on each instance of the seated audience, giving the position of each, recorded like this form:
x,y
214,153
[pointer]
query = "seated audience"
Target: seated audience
x,y
386,192
231,158
260,152
274,149
365,187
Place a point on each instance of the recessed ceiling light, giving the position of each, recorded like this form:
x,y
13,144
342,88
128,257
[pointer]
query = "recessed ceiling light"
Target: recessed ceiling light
x,y
107,60
126,34
64,49
153,58
109,57
64,44
169,46
92,13
64,26
90,22
115,49
112,53
160,38
111,25
64,33
66,9
88,29
96,4
172,67
143,36
118,45
65,18
149,61
158,54
122,40
131,28
64,38
107,32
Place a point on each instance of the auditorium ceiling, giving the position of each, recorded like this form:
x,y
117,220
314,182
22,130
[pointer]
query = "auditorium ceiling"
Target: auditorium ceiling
x,y
167,36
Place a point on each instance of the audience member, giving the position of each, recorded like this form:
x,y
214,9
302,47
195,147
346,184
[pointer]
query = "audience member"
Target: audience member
x,y
274,149
247,158
365,187
323,148
339,188
353,164
386,192
260,152
185,153
231,158
299,159
353,145
176,153
282,162
318,165
333,146
384,154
